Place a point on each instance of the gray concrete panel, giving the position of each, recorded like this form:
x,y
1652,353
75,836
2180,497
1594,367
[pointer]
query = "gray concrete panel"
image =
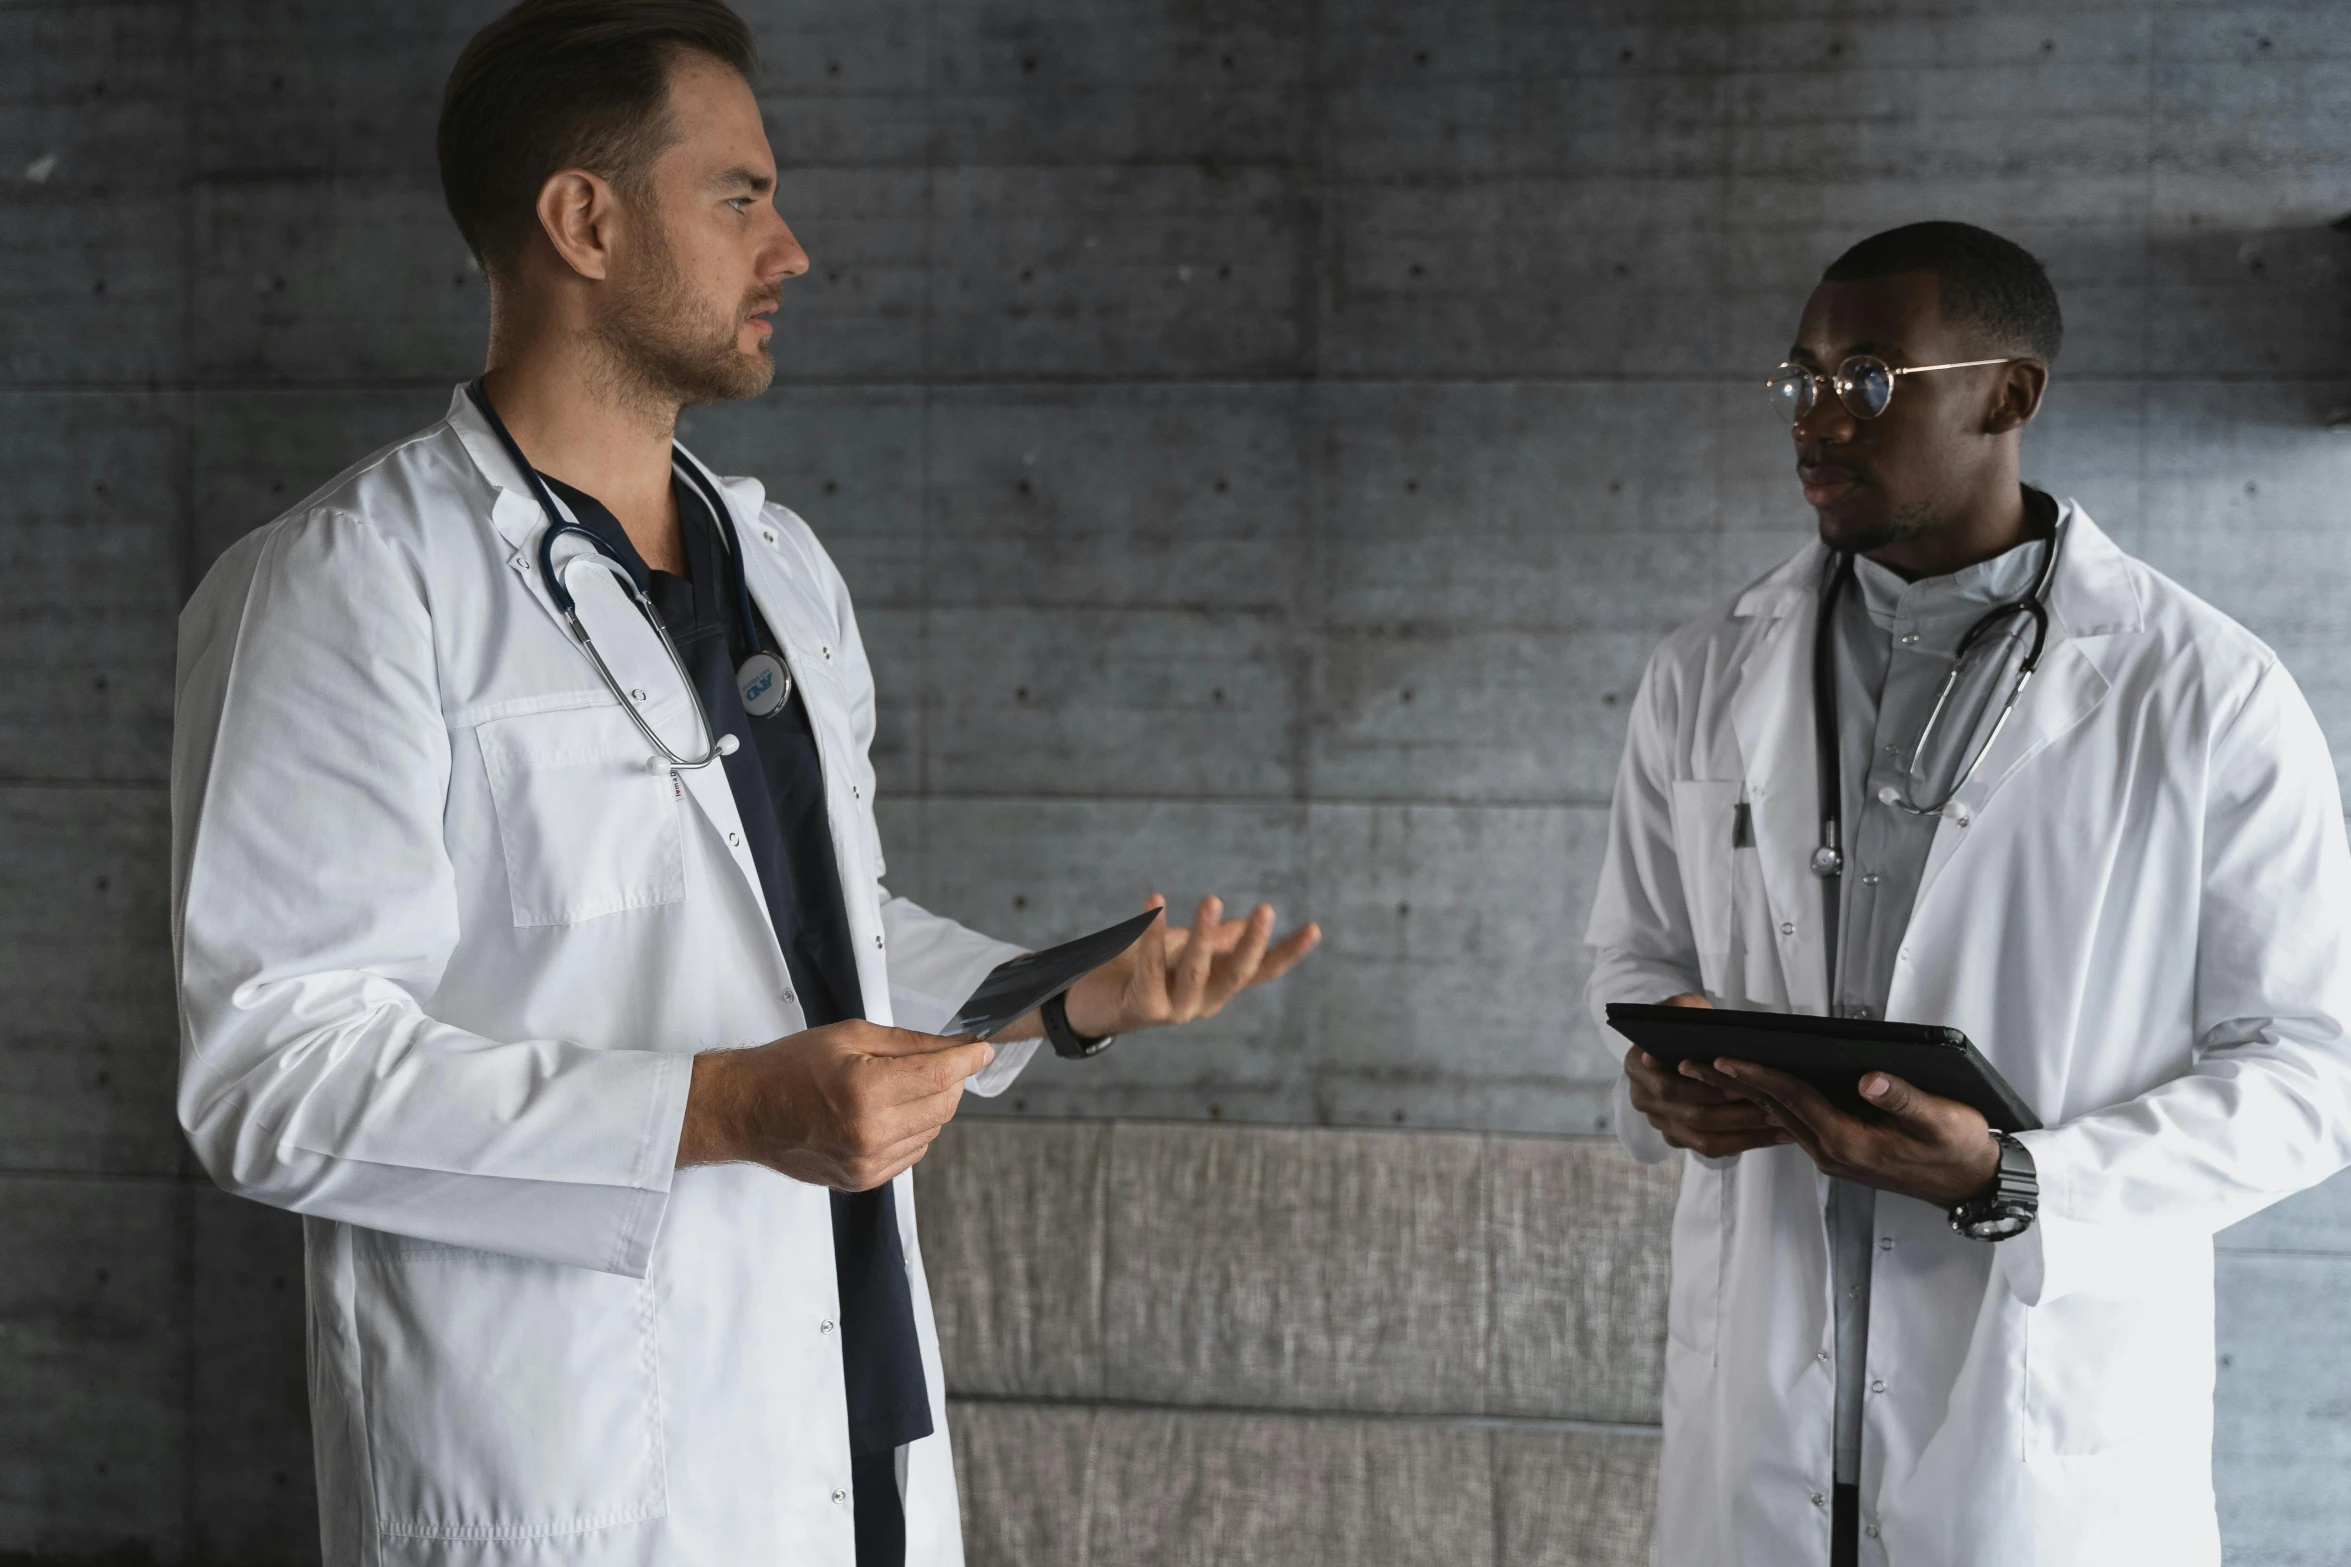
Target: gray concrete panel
x,y
1144,271
1456,939
249,1452
1012,1243
850,460
1579,1236
1535,507
291,88
1064,81
1173,1487
1040,871
91,589
89,1044
2317,1220
1402,713
895,643
1276,1269
323,277
2282,1423
93,239
94,1385
260,452
1092,702
2243,508
1119,497
1499,277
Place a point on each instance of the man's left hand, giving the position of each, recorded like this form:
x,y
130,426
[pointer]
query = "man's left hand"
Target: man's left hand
x,y
1180,974
1937,1150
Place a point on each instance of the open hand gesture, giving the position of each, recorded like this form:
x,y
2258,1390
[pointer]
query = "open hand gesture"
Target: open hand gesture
x,y
1180,974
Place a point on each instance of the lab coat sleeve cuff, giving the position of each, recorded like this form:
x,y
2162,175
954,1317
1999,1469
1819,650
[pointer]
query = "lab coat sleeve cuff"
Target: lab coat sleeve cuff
x,y
997,1075
657,1165
1642,1140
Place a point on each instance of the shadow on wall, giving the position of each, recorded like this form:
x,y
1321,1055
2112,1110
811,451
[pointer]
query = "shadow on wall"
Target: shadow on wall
x,y
2259,303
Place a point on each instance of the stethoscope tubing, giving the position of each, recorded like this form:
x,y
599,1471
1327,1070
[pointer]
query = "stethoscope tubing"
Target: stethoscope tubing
x,y
1828,860
558,525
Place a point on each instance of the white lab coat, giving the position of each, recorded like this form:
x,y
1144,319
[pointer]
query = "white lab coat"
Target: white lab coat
x,y
446,948
2137,909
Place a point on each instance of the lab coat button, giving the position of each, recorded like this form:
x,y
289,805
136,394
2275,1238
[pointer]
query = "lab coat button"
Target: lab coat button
x,y
1885,1243
1871,1530
734,841
1822,1357
1877,1386
839,1497
789,998
637,693
827,652
1787,930
877,940
763,533
826,1326
1819,1500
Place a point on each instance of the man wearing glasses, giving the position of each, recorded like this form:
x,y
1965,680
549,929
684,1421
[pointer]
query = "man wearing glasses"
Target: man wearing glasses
x,y
1963,761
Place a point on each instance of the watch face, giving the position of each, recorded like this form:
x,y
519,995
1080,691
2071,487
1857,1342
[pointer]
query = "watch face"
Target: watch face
x,y
1998,1224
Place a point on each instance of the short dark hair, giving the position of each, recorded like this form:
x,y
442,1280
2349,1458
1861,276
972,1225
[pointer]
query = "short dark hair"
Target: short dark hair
x,y
1989,284
560,84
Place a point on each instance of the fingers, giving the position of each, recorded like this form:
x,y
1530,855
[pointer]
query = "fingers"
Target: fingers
x,y
864,1173
1722,1145
1688,998
1284,955
1654,1086
1188,985
872,1039
1236,970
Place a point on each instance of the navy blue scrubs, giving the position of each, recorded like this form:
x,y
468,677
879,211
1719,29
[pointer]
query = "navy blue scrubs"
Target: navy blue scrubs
x,y
778,785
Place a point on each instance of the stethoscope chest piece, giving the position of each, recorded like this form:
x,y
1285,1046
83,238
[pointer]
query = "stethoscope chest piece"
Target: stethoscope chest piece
x,y
765,683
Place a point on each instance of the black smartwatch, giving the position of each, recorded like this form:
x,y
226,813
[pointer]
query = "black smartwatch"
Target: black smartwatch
x,y
1068,1041
2009,1208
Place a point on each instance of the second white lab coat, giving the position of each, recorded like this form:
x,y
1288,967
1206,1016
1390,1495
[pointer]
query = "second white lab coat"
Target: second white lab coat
x,y
447,946
2138,909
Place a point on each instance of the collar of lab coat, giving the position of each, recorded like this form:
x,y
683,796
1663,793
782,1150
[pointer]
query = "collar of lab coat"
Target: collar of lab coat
x,y
2092,600
515,514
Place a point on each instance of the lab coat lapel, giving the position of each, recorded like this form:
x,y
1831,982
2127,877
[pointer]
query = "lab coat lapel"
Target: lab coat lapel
x,y
796,617
2092,599
1771,713
630,648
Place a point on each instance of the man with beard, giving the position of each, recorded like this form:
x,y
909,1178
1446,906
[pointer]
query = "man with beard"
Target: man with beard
x,y
1894,1336
529,925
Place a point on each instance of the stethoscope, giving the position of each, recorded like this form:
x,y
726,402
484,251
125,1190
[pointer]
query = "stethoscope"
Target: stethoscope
x,y
1828,860
763,679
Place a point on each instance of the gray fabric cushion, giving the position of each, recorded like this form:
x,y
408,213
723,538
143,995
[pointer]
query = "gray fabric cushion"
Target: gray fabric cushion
x,y
1010,1215
1579,1236
1065,1486
1298,1268
1274,1268
1575,1498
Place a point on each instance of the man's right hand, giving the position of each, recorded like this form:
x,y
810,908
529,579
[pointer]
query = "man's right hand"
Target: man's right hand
x,y
1694,1115
848,1105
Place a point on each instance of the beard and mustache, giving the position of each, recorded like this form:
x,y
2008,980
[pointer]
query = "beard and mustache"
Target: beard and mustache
x,y
666,345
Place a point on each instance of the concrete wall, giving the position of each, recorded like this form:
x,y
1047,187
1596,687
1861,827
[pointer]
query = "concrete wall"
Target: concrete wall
x,y
1265,439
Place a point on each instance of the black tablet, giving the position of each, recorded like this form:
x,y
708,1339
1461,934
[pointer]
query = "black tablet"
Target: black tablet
x,y
1830,1053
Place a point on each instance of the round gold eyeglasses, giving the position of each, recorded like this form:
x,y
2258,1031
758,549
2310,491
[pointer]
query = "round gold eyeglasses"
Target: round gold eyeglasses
x,y
1864,384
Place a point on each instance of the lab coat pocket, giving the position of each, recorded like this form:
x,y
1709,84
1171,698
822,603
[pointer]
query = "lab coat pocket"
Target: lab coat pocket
x,y
506,1399
1705,816
586,827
